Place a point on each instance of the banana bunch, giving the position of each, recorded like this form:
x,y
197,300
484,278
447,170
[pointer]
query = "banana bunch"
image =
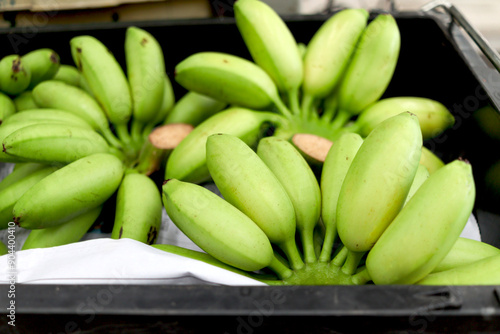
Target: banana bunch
x,y
79,136
329,86
375,214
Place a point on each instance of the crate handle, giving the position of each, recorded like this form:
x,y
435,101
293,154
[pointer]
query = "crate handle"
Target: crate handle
x,y
476,36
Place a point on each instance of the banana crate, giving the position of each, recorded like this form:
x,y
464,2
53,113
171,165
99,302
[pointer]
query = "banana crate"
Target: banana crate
x,y
442,57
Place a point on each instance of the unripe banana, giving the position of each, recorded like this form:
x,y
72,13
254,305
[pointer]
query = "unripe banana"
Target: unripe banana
x,y
168,102
59,95
300,183
145,72
337,163
229,78
245,181
434,117
329,51
47,115
63,234
69,192
483,272
54,143
216,226
7,107
466,251
426,228
43,64
430,160
371,67
11,194
25,101
68,74
19,172
188,160
138,209
271,44
421,176
194,108
15,77
106,79
378,181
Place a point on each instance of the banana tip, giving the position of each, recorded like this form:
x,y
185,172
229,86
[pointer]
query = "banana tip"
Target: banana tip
x,y
165,182
464,160
17,220
4,149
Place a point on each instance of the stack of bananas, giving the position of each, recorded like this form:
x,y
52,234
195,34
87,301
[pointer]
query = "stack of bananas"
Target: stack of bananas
x,y
78,135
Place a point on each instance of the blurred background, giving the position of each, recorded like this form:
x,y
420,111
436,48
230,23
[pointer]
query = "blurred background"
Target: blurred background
x,y
482,14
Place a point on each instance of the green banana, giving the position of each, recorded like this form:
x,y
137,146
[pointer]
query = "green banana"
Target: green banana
x,y
59,95
433,116
68,74
482,272
371,67
19,172
63,234
466,251
193,108
421,176
230,79
138,209
216,226
430,160
271,45
73,189
188,160
15,77
46,115
7,107
25,101
43,64
337,163
329,52
11,193
378,181
53,143
300,183
427,227
106,79
245,181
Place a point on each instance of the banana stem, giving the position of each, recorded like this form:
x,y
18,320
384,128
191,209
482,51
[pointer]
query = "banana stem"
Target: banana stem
x,y
282,108
111,138
136,131
307,238
123,134
292,253
339,259
341,118
150,159
352,262
293,97
328,113
280,268
326,250
307,102
361,277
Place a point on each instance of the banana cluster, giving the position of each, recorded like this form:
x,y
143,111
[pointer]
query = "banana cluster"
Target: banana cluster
x,y
78,135
375,215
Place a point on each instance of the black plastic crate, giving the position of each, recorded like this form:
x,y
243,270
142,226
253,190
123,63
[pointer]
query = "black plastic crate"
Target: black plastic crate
x,y
437,61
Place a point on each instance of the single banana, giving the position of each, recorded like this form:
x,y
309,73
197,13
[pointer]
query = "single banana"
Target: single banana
x,y
70,191
337,163
63,234
7,107
466,251
433,116
378,181
15,77
371,67
427,227
421,176
43,64
482,272
188,160
106,79
68,74
231,79
430,160
138,209
329,52
245,181
54,143
216,226
167,104
271,45
46,115
25,101
193,108
11,194
19,172
300,183
59,95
